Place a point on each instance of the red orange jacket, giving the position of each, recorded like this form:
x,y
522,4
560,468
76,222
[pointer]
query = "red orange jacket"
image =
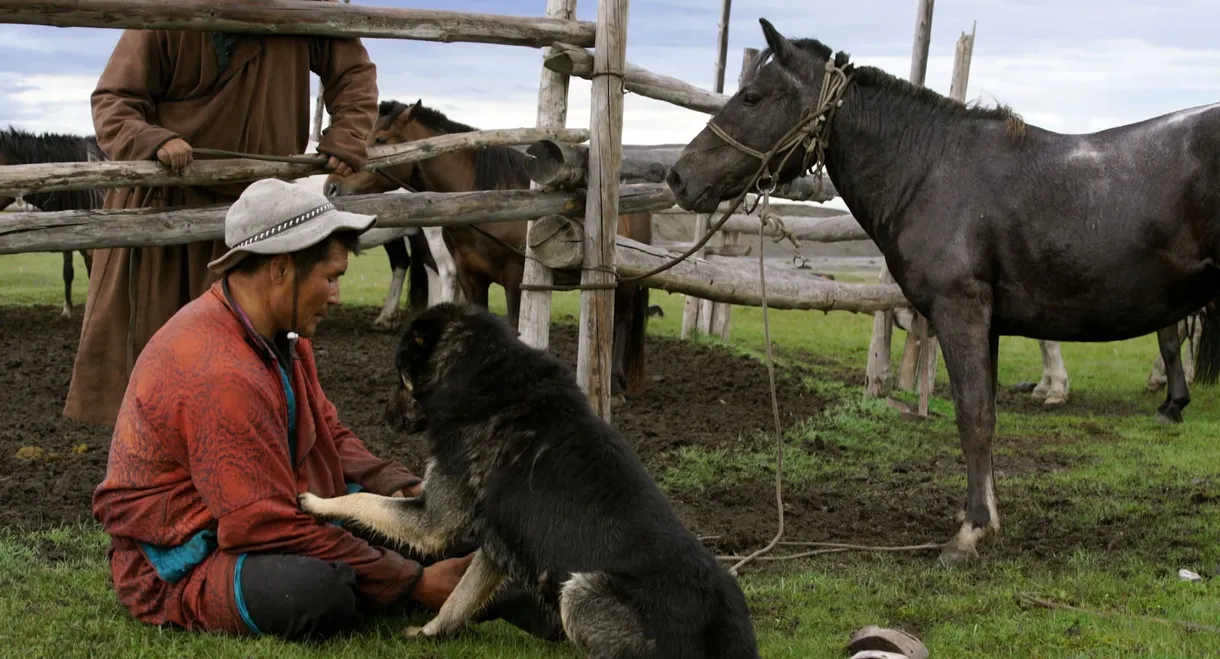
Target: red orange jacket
x,y
200,472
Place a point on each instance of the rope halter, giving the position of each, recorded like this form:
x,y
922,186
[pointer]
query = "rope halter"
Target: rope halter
x,y
812,132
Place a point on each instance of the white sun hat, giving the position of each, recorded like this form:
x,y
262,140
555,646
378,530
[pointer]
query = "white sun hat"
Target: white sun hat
x,y
276,217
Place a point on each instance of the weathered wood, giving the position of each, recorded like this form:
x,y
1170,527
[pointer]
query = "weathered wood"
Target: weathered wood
x,y
716,313
555,165
926,349
650,163
73,230
557,241
724,281
878,377
300,17
839,228
596,336
961,64
19,180
574,60
923,41
534,322
697,313
733,283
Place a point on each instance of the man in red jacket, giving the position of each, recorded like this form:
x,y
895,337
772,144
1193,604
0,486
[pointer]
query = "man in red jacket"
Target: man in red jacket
x,y
224,423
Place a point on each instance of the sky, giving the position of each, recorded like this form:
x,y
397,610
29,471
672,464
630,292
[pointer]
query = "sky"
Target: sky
x,y
1067,65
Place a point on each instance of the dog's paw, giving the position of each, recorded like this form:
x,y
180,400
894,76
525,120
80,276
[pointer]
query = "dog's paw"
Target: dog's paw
x,y
311,503
414,632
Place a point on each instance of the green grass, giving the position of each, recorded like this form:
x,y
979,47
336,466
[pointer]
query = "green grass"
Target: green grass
x,y
1126,504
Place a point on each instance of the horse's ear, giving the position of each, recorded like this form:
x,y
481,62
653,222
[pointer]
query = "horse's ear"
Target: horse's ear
x,y
778,44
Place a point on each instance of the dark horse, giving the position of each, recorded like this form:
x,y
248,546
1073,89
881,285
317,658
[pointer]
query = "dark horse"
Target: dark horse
x,y
482,260
18,147
992,227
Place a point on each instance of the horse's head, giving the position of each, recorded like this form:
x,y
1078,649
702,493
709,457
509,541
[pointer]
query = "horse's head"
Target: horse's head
x,y
395,125
779,89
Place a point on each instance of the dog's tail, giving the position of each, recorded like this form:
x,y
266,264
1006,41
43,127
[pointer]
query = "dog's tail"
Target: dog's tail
x,y
1207,358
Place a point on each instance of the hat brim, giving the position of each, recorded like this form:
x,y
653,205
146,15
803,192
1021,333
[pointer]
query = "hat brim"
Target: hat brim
x,y
297,238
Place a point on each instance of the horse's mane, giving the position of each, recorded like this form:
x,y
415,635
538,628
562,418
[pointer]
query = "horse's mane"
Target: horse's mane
x,y
496,167
871,76
20,147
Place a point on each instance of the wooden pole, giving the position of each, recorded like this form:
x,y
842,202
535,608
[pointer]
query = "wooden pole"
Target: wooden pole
x,y
927,339
567,166
18,180
90,229
878,377
534,321
721,312
308,17
576,61
922,43
593,360
697,313
560,245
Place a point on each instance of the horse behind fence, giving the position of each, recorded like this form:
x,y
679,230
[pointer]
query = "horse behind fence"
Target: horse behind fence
x,y
18,147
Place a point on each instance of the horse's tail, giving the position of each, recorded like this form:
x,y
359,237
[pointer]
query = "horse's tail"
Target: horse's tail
x,y
417,274
633,347
1207,357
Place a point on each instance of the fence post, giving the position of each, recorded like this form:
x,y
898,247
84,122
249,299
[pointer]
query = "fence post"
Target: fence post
x,y
534,322
878,377
593,360
697,314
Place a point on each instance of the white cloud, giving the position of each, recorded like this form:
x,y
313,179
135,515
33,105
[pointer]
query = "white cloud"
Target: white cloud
x,y
1118,68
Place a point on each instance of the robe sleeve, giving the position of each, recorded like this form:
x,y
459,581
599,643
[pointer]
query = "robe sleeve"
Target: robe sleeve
x,y
123,102
349,90
239,463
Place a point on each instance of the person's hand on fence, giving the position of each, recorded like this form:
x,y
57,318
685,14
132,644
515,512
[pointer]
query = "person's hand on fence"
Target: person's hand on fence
x,y
337,166
438,581
175,154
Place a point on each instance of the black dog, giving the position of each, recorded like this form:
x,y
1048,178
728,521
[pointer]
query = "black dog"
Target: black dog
x,y
559,501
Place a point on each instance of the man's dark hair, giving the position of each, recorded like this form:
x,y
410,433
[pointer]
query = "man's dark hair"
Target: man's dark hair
x,y
306,259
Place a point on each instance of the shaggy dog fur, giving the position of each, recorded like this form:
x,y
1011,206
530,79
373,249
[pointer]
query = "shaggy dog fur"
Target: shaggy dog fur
x,y
559,501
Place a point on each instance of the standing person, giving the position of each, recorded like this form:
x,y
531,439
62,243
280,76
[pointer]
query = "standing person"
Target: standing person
x,y
162,93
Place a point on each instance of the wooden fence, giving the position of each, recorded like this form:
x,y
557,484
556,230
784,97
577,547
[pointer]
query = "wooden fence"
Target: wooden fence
x,y
608,178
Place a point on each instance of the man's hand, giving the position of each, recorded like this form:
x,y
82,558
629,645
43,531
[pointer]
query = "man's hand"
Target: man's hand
x,y
337,166
175,154
438,580
412,491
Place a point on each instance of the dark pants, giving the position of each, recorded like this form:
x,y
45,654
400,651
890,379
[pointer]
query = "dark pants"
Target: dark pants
x,y
300,597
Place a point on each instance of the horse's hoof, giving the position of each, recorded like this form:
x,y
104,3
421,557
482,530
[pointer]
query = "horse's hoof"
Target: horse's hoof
x,y
953,557
65,313
382,325
414,632
1154,387
1171,418
1054,401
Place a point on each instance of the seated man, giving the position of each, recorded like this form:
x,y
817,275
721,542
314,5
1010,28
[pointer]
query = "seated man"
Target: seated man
x,y
224,422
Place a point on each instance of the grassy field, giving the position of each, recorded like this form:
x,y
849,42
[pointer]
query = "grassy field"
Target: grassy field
x,y
1131,503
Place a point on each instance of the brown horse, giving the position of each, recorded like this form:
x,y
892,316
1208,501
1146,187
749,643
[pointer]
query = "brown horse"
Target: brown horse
x,y
18,147
480,254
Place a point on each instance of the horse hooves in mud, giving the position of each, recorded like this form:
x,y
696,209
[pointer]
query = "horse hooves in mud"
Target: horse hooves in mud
x,y
384,323
1168,416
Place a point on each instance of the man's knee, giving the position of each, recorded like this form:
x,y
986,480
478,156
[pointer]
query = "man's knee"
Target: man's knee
x,y
296,597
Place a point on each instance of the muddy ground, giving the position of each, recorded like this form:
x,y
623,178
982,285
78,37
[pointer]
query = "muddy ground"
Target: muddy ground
x,y
698,396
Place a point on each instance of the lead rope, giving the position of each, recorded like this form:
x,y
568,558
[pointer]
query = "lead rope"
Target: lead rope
x,y
779,435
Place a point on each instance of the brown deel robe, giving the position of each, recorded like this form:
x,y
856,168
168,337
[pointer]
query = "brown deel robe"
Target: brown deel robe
x,y
161,84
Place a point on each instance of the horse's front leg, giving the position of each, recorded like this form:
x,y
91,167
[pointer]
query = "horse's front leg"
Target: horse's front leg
x,y
971,354
1177,394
